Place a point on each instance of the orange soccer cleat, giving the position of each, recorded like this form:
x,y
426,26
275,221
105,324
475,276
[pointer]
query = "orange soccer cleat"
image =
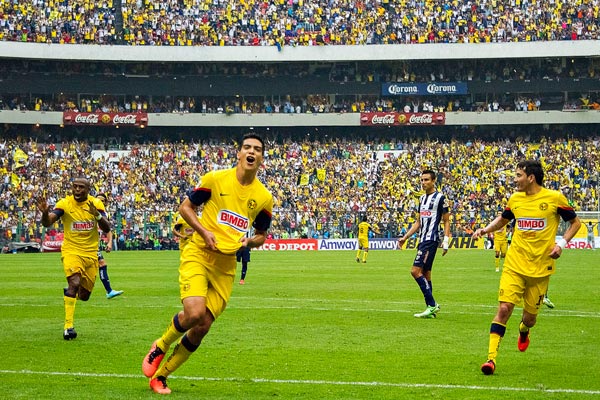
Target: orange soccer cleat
x,y
152,360
523,341
159,385
488,367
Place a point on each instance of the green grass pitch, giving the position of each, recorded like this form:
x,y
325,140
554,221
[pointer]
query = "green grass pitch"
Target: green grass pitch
x,y
307,325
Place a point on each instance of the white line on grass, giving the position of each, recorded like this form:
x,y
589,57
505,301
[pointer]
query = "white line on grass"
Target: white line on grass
x,y
329,306
313,382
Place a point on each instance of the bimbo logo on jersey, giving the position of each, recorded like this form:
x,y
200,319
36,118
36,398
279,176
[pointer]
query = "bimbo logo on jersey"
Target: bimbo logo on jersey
x,y
531,224
425,213
234,220
82,226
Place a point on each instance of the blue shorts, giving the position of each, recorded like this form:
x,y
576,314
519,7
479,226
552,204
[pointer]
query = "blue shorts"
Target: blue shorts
x,y
425,255
243,254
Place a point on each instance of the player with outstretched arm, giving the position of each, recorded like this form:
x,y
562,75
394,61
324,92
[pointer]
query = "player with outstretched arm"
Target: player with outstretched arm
x,y
530,259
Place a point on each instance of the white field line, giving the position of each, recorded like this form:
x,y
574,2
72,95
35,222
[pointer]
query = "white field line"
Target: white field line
x,y
313,382
287,303
331,306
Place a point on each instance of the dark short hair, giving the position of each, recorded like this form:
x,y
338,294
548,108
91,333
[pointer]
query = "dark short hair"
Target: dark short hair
x,y
81,178
429,172
533,167
256,136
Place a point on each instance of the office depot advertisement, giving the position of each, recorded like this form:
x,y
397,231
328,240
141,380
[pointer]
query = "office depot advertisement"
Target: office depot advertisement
x,y
459,242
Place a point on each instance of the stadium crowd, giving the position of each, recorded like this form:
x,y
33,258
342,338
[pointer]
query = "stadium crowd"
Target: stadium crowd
x,y
310,104
483,70
320,185
548,70
295,22
250,104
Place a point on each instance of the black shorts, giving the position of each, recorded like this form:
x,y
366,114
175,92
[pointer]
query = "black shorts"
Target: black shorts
x,y
243,254
425,254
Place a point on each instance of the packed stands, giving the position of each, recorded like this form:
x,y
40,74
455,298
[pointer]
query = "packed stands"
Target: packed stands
x,y
475,164
321,186
294,23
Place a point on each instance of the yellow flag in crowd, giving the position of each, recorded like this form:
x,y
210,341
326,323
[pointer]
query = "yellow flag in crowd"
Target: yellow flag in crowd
x,y
15,180
20,158
303,180
321,174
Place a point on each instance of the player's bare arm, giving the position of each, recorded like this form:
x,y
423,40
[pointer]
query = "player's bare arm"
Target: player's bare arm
x,y
255,241
177,233
574,226
47,218
446,242
109,240
102,222
92,209
414,228
493,226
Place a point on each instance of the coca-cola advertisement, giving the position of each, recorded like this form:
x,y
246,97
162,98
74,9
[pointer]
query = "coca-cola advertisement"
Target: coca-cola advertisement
x,y
104,119
51,245
393,118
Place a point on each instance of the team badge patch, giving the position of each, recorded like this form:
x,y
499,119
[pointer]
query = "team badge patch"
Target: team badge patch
x,y
543,206
251,204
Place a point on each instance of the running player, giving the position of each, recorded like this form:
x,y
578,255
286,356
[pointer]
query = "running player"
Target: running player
x,y
81,215
530,260
235,201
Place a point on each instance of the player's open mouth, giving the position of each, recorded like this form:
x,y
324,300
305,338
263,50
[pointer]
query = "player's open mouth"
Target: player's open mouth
x,y
250,159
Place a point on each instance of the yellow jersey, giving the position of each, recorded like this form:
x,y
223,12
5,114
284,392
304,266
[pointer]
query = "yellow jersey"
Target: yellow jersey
x,y
185,229
80,226
363,230
537,217
230,209
500,235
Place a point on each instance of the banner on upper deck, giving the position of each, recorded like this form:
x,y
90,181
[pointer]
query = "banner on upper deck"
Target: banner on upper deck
x,y
423,89
393,118
104,119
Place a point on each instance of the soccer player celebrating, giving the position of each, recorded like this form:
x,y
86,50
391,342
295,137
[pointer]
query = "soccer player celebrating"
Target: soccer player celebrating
x,y
433,209
530,260
363,239
81,216
234,202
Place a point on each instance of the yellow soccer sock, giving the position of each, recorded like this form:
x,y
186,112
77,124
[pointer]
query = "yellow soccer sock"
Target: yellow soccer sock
x,y
497,331
523,328
497,262
69,311
180,354
173,332
358,253
365,255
